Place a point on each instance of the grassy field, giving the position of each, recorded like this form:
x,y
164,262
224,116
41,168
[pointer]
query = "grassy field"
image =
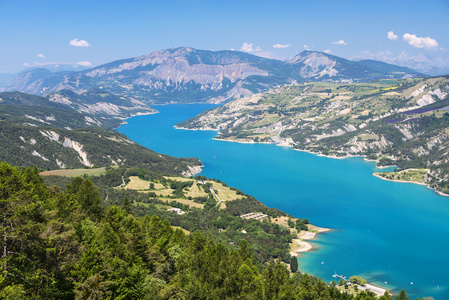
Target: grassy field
x,y
180,179
135,183
195,191
184,201
163,193
411,175
224,192
75,172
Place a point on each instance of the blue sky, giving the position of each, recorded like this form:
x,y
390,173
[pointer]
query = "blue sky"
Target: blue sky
x,y
95,32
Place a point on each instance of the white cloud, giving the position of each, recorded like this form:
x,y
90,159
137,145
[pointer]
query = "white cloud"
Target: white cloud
x,y
420,42
26,64
79,43
84,63
392,36
340,42
306,47
327,51
247,47
280,46
40,55
258,48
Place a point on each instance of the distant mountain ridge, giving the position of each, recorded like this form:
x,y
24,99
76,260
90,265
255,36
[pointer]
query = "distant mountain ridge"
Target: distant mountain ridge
x,y
185,75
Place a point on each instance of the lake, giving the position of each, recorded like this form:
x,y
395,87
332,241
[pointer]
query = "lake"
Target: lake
x,y
395,235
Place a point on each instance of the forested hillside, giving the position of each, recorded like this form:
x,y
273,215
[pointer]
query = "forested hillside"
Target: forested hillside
x,y
69,245
66,130
54,148
66,109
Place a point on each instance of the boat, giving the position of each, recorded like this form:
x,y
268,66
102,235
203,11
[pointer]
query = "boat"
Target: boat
x,y
339,276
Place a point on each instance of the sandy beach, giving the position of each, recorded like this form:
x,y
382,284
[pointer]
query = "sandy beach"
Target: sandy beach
x,y
300,245
375,289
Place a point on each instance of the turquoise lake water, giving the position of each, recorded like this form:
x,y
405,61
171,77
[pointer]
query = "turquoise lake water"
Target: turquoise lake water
x,y
383,231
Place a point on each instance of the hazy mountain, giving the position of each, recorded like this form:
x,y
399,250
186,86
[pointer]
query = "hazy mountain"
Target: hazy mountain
x,y
57,67
325,67
5,80
189,75
383,67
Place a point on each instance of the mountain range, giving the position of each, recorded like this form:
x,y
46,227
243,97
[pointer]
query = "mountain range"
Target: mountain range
x,y
185,75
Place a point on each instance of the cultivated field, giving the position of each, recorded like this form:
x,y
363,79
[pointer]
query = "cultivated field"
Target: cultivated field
x,y
75,172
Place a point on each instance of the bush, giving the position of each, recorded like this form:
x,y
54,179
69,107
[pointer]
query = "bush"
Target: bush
x,y
358,280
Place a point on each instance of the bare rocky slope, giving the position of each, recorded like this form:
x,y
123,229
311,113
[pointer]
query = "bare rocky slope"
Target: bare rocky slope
x,y
402,122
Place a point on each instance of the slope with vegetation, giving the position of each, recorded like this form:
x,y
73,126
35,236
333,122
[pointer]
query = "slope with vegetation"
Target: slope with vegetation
x,y
70,131
401,122
69,245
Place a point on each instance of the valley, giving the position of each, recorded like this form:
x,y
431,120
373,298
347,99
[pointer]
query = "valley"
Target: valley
x,y
337,113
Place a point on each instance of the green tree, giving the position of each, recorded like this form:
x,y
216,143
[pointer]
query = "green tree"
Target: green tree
x,y
126,206
357,280
250,282
88,197
22,196
386,296
294,264
402,296
245,250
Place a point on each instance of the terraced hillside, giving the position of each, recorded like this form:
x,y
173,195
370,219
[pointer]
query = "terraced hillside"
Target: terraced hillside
x,y
402,122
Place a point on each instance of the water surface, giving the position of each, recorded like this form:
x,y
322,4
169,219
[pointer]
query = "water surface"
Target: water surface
x,y
384,231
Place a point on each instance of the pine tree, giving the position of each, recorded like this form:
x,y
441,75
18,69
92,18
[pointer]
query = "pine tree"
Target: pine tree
x,y
294,264
126,206
402,296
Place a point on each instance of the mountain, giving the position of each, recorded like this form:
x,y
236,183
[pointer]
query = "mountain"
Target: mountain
x,y
52,148
320,66
396,122
66,130
66,109
185,75
383,67
57,67
101,104
6,80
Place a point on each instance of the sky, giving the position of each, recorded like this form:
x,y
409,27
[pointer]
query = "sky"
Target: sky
x,y
89,33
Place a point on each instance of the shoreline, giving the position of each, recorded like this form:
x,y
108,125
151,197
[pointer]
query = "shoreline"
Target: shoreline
x,y
413,182
378,290
328,156
302,239
134,115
